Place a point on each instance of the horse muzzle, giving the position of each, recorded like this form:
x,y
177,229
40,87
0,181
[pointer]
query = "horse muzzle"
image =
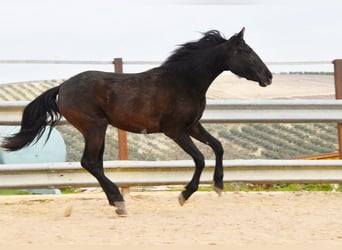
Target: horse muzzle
x,y
265,83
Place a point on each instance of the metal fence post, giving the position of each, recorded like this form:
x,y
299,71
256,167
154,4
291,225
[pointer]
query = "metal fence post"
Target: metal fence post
x,y
338,94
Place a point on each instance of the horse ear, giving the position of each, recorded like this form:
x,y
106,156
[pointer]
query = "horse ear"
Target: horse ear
x,y
241,34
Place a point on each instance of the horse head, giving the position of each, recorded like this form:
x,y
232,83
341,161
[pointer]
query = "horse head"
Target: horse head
x,y
244,62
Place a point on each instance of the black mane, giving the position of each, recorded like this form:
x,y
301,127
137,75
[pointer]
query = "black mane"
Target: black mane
x,y
187,50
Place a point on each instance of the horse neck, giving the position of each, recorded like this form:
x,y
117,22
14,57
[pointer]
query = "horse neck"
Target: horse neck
x,y
204,70
201,70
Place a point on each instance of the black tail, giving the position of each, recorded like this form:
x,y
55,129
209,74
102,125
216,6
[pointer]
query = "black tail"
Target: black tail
x,y
38,114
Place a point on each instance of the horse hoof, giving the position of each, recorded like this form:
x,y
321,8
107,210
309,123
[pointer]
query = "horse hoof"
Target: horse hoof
x,y
181,199
218,191
120,208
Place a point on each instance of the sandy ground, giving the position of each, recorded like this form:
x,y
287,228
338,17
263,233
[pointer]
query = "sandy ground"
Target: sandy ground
x,y
156,219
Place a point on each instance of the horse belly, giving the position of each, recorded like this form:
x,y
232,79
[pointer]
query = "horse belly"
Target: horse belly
x,y
136,122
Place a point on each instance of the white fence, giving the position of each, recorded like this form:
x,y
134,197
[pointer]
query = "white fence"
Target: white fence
x,y
136,173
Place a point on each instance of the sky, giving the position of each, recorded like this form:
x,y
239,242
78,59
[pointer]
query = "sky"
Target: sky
x,y
292,30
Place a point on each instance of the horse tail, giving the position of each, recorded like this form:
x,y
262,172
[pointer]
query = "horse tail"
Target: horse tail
x,y
37,115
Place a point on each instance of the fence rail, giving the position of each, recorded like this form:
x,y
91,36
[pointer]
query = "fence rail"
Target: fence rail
x,y
147,173
138,62
233,111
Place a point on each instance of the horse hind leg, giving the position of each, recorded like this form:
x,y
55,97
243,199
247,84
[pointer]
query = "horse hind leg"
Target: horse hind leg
x,y
120,204
92,161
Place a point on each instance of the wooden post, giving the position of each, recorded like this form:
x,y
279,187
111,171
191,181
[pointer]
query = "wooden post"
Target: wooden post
x,y
122,135
338,94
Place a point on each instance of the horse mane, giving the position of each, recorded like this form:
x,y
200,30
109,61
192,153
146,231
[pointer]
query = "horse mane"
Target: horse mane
x,y
188,50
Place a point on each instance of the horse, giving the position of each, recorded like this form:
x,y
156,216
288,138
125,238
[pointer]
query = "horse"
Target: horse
x,y
167,99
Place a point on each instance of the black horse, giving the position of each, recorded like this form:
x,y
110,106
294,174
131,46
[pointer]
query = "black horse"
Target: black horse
x,y
169,99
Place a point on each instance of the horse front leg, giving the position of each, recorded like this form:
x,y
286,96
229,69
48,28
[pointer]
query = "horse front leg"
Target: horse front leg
x,y
201,134
185,142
